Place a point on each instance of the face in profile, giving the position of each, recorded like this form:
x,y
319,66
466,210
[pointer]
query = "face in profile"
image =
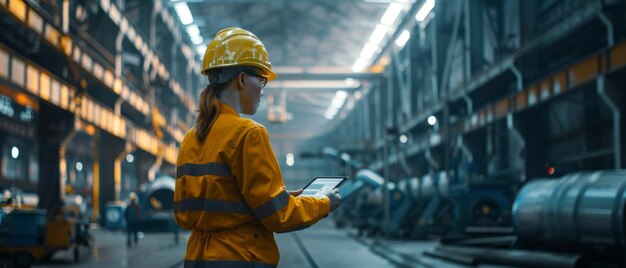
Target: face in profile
x,y
252,91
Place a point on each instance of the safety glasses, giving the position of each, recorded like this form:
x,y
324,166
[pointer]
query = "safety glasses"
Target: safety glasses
x,y
262,80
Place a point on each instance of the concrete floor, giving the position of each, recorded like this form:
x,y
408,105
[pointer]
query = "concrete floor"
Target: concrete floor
x,y
319,246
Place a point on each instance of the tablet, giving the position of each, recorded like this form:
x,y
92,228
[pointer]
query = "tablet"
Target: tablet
x,y
318,185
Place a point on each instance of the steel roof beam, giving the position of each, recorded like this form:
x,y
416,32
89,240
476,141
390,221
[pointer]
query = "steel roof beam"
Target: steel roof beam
x,y
328,76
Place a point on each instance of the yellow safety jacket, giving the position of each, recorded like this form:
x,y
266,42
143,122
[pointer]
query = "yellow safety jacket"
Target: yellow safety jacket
x,y
230,192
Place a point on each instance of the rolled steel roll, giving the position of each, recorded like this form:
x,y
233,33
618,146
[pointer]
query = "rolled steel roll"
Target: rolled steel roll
x,y
427,186
376,197
160,193
585,208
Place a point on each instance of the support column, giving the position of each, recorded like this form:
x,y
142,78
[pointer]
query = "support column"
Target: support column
x,y
109,147
54,125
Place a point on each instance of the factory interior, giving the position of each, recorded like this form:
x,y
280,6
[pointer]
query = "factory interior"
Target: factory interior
x,y
474,133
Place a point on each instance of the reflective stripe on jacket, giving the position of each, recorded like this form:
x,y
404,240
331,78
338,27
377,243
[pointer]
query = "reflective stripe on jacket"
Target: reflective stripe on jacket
x,y
230,191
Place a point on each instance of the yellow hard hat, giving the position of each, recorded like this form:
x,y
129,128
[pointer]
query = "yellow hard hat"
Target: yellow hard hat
x,y
237,47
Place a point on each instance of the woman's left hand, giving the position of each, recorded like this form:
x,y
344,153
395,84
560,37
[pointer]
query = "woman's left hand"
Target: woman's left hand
x,y
296,192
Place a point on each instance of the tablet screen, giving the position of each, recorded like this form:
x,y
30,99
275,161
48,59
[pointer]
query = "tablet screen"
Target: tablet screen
x,y
320,184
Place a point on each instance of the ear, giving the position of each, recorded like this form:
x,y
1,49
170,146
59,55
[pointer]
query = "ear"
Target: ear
x,y
240,80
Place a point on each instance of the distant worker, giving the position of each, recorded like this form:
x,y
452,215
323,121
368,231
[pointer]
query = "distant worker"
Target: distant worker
x,y
133,218
229,187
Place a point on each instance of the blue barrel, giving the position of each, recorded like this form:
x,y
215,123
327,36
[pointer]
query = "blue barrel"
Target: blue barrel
x,y
585,208
114,215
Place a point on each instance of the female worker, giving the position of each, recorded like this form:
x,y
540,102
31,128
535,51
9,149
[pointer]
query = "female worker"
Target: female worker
x,y
229,188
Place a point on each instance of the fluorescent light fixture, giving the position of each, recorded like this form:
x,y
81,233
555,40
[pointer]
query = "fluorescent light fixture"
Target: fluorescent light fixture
x,y
200,49
193,30
183,12
403,38
196,40
391,14
341,94
368,51
336,104
425,10
378,34
359,65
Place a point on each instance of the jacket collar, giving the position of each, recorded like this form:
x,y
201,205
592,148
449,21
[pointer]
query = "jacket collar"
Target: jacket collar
x,y
225,109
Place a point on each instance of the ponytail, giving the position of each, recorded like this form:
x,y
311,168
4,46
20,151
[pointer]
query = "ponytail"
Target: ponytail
x,y
209,98
208,111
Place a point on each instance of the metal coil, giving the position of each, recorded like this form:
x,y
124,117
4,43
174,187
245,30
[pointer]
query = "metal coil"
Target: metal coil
x,y
585,208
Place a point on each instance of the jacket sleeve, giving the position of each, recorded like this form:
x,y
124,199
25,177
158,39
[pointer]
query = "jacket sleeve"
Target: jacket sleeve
x,y
260,182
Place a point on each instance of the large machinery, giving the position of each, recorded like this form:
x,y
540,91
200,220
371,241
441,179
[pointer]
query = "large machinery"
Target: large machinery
x,y
351,210
422,206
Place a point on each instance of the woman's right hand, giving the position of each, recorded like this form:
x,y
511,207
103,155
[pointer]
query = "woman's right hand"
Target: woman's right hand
x,y
334,197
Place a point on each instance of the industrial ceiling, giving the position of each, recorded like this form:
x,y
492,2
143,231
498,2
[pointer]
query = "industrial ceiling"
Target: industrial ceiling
x,y
313,46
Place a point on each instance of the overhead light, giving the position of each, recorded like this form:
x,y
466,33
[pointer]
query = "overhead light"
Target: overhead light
x,y
403,138
15,152
432,120
359,65
403,38
183,12
290,159
336,104
196,40
425,10
79,166
341,94
368,51
193,30
391,14
378,34
349,81
200,49
332,110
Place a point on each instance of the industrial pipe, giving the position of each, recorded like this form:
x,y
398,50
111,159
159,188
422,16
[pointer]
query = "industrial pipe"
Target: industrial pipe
x,y
513,257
